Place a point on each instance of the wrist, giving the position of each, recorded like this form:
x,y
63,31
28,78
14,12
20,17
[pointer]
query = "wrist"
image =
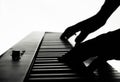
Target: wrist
x,y
108,8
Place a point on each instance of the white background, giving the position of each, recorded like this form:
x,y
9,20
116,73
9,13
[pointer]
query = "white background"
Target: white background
x,y
18,18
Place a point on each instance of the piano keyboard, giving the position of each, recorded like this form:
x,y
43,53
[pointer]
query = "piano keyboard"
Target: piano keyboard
x,y
40,63
46,65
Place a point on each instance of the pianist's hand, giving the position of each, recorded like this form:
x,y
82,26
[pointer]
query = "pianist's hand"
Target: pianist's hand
x,y
86,27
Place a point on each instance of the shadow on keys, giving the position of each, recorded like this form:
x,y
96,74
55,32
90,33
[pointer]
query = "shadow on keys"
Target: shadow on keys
x,y
104,47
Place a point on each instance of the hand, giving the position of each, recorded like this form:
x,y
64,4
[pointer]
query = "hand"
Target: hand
x,y
86,27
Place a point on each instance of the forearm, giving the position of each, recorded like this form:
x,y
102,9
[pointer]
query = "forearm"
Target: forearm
x,y
108,8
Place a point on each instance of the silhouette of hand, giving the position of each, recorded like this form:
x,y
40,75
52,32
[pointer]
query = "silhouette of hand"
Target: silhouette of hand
x,y
86,27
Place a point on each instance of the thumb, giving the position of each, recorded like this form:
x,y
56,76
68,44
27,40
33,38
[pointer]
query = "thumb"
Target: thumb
x,y
81,37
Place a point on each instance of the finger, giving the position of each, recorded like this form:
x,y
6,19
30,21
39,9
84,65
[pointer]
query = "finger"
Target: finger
x,y
68,33
81,37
